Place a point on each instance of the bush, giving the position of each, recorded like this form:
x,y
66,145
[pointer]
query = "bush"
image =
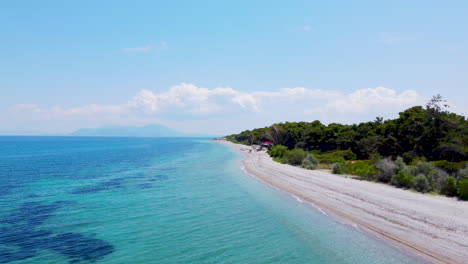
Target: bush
x,y
346,154
400,165
363,169
295,156
450,187
310,162
417,160
278,151
462,189
421,184
424,168
452,167
300,144
336,156
387,169
437,179
409,156
402,179
462,173
337,168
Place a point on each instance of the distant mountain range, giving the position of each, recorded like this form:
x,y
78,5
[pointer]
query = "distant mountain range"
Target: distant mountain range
x,y
133,131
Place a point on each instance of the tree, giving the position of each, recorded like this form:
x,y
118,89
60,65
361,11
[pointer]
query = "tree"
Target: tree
x,y
378,120
369,145
437,104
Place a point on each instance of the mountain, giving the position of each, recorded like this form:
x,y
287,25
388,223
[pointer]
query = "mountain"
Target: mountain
x,y
132,131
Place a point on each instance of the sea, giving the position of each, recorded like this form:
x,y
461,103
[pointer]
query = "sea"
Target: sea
x,y
161,200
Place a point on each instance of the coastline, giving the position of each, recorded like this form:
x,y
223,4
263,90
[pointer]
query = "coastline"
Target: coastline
x,y
433,227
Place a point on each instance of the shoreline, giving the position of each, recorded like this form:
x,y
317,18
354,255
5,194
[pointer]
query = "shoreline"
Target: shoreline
x,y
431,227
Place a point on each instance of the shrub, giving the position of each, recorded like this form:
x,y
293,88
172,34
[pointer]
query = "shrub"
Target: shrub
x,y
387,169
375,157
427,169
417,160
278,151
336,156
295,156
300,144
363,169
420,183
346,154
462,173
310,162
437,179
337,168
424,168
409,156
450,187
402,179
400,165
452,167
462,189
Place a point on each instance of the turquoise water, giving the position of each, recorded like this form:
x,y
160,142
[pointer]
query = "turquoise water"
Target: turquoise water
x,y
150,200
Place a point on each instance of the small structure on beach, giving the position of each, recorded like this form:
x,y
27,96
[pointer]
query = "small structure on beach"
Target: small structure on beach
x,y
266,144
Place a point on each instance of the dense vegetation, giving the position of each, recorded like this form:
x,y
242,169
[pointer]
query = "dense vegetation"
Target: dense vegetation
x,y
425,148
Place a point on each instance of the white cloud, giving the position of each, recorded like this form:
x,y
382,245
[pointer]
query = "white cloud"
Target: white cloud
x,y
366,103
365,99
148,48
228,108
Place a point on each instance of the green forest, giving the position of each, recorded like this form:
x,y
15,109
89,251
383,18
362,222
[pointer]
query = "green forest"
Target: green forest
x,y
425,149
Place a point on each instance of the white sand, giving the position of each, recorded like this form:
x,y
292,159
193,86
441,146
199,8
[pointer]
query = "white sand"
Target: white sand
x,y
433,226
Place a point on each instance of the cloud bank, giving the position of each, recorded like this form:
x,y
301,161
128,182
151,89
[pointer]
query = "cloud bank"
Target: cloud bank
x,y
224,109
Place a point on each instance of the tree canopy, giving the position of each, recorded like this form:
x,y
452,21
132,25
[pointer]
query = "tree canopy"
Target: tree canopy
x,y
431,132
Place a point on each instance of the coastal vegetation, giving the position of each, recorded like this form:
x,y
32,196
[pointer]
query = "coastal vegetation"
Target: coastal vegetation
x,y
424,149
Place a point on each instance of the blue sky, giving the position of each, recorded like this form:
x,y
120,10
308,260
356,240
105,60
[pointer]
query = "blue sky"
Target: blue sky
x,y
221,67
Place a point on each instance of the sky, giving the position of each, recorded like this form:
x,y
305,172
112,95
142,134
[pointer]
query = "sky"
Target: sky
x,y
220,67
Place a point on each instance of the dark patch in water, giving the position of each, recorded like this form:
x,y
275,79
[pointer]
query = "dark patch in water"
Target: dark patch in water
x,y
10,256
159,177
33,213
7,189
20,231
78,247
145,186
167,169
100,187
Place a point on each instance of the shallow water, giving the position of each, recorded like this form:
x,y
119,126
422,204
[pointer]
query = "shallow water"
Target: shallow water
x,y
159,200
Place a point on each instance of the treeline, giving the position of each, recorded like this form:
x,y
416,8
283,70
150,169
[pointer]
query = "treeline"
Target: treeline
x,y
392,151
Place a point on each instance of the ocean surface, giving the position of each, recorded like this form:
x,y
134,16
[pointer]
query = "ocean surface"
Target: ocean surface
x,y
159,200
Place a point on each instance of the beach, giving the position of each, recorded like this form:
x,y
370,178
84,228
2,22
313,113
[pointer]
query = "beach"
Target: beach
x,y
433,227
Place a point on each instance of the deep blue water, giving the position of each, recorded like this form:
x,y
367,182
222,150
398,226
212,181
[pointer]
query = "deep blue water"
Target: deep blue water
x,y
159,200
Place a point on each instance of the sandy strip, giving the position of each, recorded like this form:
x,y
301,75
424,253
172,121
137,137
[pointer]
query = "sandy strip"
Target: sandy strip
x,y
433,226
